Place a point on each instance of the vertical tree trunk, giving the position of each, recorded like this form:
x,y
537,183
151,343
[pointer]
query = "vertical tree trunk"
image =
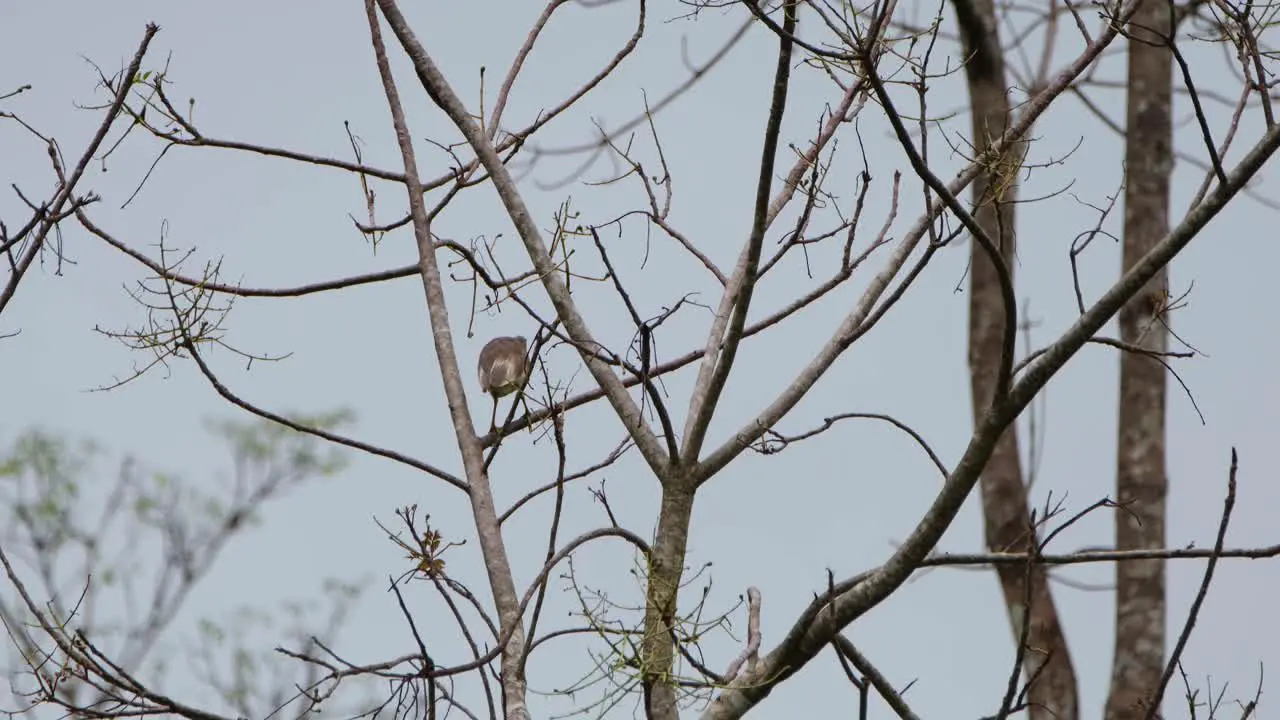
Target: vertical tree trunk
x,y
1004,496
666,569
1140,464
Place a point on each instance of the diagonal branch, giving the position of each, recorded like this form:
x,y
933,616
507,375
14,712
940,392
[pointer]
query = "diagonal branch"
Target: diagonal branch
x,y
726,331
814,631
54,212
335,438
992,247
434,82
1228,504
852,326
498,567
892,697
1052,687
167,274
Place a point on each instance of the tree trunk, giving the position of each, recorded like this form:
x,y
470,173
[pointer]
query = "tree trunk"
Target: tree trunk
x,y
1006,513
666,570
1141,484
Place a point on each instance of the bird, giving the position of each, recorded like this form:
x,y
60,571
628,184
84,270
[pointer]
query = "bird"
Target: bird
x,y
503,369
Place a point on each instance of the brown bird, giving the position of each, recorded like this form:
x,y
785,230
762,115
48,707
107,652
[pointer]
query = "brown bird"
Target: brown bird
x,y
503,369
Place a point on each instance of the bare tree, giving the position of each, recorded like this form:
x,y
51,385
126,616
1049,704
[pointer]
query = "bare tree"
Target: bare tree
x,y
1008,523
1141,484
878,65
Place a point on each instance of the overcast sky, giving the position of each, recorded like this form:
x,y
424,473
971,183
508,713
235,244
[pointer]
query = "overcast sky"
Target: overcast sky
x,y
291,73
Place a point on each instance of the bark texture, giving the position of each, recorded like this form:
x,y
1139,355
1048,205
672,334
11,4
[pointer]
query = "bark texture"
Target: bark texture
x,y
666,570
1141,482
506,600
1006,514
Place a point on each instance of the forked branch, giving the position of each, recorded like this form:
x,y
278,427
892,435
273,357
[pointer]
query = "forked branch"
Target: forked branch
x,y
434,82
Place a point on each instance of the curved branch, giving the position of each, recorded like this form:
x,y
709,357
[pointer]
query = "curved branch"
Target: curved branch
x,y
726,331
532,591
828,423
332,437
695,75
849,329
814,630
434,82
67,184
580,475
240,291
492,546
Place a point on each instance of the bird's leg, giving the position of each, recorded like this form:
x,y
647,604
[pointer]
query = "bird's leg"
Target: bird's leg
x,y
493,416
527,413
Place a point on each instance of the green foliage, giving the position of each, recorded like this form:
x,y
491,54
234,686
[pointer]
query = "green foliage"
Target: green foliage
x,y
269,443
46,470
46,509
118,550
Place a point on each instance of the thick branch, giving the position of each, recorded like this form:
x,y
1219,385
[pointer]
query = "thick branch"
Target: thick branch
x,y
726,332
1028,598
815,630
489,531
851,328
434,82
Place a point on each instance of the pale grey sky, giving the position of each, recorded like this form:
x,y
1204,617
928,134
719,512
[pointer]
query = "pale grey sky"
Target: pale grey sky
x,y
290,73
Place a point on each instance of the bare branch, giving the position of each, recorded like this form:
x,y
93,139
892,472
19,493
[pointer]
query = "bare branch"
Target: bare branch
x,y
806,639
67,185
1153,703
501,580
726,331
441,92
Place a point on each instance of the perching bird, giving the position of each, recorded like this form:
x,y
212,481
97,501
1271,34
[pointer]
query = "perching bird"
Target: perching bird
x,y
503,369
